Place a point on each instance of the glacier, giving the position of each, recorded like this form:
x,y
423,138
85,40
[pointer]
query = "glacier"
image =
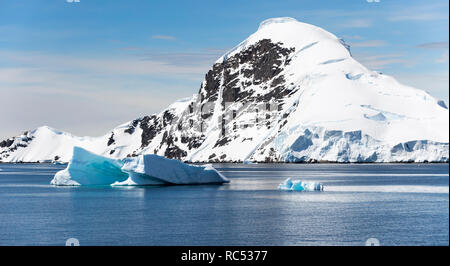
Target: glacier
x,y
87,168
298,185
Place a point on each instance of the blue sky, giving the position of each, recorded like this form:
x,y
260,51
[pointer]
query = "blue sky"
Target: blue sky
x,y
86,67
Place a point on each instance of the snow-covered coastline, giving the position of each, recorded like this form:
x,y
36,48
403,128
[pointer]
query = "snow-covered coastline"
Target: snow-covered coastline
x,y
290,92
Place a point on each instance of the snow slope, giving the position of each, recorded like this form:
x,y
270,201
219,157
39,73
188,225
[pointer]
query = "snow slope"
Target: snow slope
x,y
289,92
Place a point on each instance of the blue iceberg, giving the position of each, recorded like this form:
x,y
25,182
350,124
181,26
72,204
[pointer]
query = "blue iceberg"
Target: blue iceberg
x,y
87,168
298,185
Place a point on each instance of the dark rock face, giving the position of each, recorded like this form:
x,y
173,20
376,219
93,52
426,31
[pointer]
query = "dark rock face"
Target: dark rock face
x,y
193,142
276,93
174,152
272,156
151,126
260,64
111,139
212,83
6,143
167,118
222,142
132,127
13,144
264,61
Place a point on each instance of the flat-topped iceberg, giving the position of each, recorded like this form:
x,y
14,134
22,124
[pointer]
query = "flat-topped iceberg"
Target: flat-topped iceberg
x,y
87,168
298,185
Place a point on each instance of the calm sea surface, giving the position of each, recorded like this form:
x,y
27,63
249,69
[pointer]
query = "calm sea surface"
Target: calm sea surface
x,y
399,204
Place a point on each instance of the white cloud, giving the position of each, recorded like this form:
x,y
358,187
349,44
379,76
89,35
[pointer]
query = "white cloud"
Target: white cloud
x,y
80,103
131,65
102,92
373,43
356,23
163,37
434,83
352,37
426,12
382,61
418,17
434,45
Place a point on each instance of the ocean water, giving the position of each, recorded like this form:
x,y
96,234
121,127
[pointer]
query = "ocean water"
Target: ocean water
x,y
399,204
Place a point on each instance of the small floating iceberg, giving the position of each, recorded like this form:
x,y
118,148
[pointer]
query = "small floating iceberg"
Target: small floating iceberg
x,y
87,168
298,185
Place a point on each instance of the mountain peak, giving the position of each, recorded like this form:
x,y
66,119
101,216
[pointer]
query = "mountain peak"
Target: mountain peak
x,y
271,21
293,34
290,92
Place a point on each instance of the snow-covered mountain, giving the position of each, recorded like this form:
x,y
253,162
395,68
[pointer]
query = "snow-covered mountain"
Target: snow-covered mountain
x,y
289,92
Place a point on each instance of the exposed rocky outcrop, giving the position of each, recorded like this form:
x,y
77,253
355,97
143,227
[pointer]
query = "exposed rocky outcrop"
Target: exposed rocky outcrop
x,y
291,92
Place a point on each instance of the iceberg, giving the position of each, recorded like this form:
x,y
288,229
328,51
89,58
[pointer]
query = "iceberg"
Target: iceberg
x,y
298,185
87,168
152,169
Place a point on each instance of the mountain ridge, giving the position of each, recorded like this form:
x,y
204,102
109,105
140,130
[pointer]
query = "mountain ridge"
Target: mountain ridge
x,y
290,92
